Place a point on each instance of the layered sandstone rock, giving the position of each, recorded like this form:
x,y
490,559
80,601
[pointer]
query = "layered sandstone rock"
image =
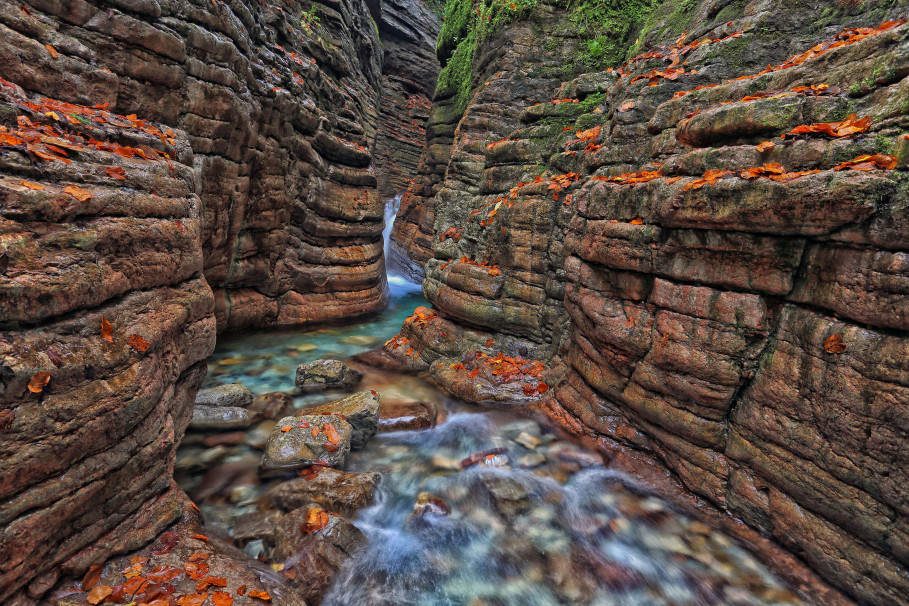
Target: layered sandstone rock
x,y
167,169
408,29
748,334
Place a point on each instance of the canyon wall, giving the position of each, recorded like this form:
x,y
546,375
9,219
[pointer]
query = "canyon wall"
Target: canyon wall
x,y
168,169
667,257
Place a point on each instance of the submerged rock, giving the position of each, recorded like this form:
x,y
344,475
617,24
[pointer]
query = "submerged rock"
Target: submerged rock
x,y
232,395
272,405
430,504
300,441
332,489
401,416
220,417
326,374
255,526
360,410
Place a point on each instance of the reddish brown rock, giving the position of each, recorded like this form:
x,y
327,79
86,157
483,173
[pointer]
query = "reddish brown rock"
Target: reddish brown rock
x,y
680,300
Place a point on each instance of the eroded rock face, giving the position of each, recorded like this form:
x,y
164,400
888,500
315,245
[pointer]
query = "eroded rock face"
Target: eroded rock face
x,y
106,323
408,29
685,313
167,169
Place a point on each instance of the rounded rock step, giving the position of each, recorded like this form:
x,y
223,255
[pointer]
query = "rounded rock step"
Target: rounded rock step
x,y
361,410
233,395
322,375
300,441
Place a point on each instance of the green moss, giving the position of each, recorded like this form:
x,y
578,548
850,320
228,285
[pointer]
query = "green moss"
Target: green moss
x,y
610,26
466,26
672,16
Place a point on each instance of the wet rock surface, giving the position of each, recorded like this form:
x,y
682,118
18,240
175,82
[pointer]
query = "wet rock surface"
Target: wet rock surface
x,y
220,417
360,410
332,489
317,543
300,441
682,304
322,375
406,416
234,395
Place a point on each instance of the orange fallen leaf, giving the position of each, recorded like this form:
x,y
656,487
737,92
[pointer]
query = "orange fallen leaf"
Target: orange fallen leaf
x,y
637,221
39,382
542,388
92,576
834,344
99,593
286,428
474,372
332,434
51,51
207,582
31,185
78,193
766,146
164,574
116,172
315,431
193,599
200,556
316,519
221,598
262,595
138,343
201,537
241,590
490,342
195,570
627,106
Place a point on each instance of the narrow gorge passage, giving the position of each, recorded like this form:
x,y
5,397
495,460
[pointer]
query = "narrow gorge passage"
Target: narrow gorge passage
x,y
454,302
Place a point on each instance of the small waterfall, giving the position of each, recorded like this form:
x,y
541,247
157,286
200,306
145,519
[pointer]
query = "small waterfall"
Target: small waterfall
x,y
392,205
399,282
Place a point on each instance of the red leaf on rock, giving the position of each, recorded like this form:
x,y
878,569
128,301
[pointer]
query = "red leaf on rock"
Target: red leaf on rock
x,y
164,573
92,576
193,599
334,437
316,519
51,51
138,343
78,193
834,344
115,172
211,582
262,595
542,388
241,590
107,330
200,556
55,358
195,571
221,598
201,537
39,382
474,372
99,593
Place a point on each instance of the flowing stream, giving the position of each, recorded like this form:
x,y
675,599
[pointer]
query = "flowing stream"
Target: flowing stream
x,y
536,521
